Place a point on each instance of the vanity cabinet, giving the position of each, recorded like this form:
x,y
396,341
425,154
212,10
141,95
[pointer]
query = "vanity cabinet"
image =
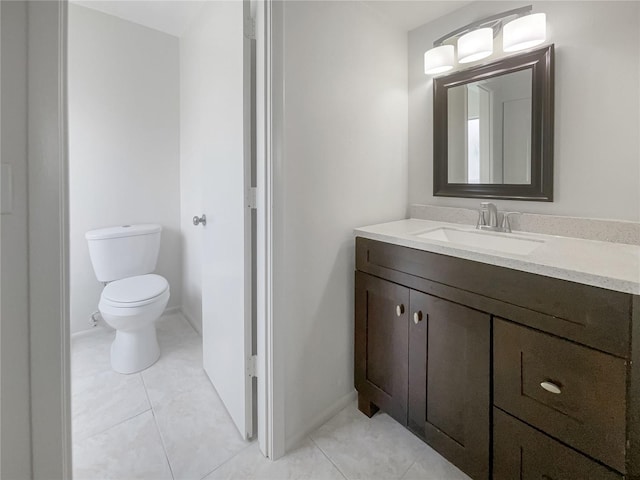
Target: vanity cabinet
x,y
507,374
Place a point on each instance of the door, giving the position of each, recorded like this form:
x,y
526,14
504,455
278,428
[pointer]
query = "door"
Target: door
x,y
226,262
381,346
449,380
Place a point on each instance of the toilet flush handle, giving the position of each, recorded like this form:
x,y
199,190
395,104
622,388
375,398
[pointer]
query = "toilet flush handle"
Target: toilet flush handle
x,y
200,220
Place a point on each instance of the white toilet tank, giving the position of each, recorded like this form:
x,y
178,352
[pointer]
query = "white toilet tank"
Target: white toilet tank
x,y
122,252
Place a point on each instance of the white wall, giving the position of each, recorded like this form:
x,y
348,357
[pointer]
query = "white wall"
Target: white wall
x,y
344,164
15,459
124,143
597,152
195,110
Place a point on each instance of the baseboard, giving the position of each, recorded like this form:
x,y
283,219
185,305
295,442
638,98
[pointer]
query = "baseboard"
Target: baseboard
x,y
180,310
320,420
190,320
172,310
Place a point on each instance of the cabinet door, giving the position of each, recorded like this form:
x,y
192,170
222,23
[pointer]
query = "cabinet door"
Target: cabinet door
x,y
449,381
381,331
520,451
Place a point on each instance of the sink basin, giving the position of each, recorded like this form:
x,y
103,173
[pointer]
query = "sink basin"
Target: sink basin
x,y
499,242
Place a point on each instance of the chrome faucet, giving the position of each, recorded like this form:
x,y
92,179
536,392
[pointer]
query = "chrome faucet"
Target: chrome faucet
x,y
488,215
488,218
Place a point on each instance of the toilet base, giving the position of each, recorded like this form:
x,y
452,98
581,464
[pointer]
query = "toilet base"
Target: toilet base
x,y
133,351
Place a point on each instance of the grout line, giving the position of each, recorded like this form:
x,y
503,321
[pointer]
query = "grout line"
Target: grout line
x,y
155,421
407,470
327,457
230,458
82,439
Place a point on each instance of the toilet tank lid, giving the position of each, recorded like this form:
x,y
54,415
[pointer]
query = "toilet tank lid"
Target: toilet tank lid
x,y
123,231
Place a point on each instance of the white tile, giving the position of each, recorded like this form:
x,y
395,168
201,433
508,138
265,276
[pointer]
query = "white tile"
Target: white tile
x,y
368,448
432,466
91,351
179,369
130,450
197,431
104,400
306,462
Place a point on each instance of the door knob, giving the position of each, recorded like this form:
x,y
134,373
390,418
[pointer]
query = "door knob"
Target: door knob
x,y
200,220
417,317
399,310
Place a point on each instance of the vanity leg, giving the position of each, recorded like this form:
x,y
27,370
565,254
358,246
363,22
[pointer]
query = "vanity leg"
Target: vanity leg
x,y
366,407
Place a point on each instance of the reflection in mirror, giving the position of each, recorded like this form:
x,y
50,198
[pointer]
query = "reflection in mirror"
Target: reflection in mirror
x,y
489,130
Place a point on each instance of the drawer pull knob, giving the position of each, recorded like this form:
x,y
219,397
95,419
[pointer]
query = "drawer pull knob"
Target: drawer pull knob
x,y
551,387
399,310
417,317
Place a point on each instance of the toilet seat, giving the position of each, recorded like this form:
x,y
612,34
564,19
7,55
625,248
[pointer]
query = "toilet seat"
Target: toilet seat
x,y
135,291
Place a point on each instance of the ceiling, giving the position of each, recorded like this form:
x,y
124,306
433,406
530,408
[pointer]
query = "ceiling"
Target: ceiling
x,y
169,16
175,16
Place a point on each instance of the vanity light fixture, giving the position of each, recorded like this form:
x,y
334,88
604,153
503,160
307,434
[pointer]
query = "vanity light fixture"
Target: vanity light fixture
x,y
439,59
475,45
520,28
524,32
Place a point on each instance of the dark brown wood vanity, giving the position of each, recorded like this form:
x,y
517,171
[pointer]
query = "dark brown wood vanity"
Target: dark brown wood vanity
x,y
507,374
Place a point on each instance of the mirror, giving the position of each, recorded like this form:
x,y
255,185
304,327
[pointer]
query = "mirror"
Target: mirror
x,y
493,128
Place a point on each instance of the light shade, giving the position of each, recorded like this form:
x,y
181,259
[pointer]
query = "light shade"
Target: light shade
x,y
524,32
439,59
475,45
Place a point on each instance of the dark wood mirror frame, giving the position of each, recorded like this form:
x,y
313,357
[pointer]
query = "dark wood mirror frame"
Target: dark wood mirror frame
x,y
541,62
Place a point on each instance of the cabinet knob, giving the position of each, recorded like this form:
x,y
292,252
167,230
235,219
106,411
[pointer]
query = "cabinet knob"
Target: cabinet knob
x,y
551,387
417,317
399,310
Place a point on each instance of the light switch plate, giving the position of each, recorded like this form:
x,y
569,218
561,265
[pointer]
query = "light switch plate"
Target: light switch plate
x,y
6,189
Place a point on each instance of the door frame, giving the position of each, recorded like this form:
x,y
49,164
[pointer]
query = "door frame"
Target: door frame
x,y
269,32
48,249
50,368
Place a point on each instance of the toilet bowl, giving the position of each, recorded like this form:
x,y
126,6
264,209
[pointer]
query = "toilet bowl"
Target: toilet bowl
x,y
133,298
131,306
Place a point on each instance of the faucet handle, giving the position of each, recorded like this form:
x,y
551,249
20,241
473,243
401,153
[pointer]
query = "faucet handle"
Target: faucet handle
x,y
482,221
506,224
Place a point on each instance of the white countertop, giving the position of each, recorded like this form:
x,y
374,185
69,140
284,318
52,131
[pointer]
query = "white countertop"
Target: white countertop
x,y
613,266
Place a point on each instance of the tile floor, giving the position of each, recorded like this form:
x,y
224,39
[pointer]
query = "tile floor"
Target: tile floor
x,y
167,422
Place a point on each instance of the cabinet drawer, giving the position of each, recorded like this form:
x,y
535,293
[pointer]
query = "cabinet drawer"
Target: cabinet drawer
x,y
520,451
588,315
586,410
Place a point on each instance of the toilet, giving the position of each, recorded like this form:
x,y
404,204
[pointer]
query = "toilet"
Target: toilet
x,y
133,298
